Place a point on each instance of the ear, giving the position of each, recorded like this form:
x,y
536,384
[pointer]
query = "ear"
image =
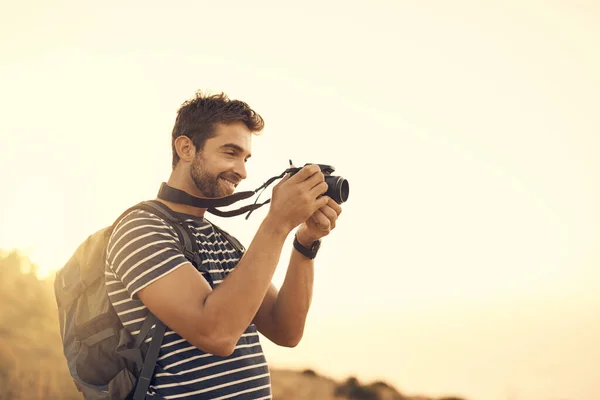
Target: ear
x,y
185,149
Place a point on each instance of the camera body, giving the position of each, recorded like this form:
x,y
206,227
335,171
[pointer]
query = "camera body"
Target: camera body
x,y
338,188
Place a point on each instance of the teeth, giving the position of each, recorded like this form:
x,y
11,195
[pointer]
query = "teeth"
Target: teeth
x,y
229,183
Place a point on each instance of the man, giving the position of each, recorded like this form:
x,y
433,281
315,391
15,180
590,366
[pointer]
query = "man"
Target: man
x,y
211,348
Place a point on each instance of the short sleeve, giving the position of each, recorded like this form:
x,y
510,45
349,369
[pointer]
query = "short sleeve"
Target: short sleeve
x,y
142,249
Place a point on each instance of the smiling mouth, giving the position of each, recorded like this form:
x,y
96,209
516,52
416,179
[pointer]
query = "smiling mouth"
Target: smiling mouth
x,y
229,183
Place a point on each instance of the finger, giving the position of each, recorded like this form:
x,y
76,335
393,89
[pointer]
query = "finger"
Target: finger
x,y
335,206
330,214
319,189
285,178
306,172
314,180
321,202
321,220
311,224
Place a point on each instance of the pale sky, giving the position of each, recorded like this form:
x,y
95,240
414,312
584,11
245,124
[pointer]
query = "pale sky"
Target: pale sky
x,y
466,259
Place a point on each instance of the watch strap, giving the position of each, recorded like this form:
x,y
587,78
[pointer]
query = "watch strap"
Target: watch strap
x,y
309,253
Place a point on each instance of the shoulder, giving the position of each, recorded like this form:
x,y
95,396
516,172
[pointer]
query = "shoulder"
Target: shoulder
x,y
139,226
137,218
141,249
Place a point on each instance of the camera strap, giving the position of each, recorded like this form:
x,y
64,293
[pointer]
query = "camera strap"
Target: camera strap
x,y
178,196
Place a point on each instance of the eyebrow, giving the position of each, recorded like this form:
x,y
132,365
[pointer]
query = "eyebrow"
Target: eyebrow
x,y
236,147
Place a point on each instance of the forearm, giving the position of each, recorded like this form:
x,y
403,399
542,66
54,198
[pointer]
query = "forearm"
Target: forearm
x,y
294,299
233,304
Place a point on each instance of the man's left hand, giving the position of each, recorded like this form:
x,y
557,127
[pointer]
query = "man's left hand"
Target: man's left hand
x,y
320,224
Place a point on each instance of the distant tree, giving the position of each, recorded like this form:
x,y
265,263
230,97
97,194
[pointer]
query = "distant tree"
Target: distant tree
x,y
380,384
352,390
389,391
309,372
32,363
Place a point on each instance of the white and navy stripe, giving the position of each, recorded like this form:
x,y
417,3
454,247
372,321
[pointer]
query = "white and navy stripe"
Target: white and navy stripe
x,y
142,249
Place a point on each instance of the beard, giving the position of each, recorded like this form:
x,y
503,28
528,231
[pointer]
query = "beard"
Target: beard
x,y
207,182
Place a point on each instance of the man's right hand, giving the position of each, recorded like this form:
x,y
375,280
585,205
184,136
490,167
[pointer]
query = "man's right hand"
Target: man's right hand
x,y
295,198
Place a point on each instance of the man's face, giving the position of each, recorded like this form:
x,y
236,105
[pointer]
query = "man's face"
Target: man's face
x,y
220,166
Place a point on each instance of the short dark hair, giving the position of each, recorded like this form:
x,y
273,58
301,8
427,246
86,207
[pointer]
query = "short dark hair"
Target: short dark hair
x,y
197,117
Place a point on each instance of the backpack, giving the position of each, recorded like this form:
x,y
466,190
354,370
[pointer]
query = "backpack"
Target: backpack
x,y
104,360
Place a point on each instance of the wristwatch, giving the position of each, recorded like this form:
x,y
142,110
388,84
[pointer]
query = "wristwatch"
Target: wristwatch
x,y
309,253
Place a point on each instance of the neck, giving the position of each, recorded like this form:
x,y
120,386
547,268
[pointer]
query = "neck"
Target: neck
x,y
187,187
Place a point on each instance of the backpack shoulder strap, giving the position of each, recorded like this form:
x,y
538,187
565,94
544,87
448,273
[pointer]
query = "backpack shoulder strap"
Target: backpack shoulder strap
x,y
151,355
188,241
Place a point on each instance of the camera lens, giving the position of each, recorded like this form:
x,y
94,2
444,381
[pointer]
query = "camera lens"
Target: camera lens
x,y
338,188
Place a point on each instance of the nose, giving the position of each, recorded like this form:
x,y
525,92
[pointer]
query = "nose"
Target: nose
x,y
240,169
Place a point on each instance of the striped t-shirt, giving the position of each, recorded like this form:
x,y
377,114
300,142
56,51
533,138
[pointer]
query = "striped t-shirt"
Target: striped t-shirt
x,y
144,248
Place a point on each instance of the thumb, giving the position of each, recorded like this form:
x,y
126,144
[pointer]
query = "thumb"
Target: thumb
x,y
286,177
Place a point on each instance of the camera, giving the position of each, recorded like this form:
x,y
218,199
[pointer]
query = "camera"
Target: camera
x,y
338,188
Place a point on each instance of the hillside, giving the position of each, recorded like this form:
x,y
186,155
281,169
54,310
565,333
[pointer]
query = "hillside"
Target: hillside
x,y
32,365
